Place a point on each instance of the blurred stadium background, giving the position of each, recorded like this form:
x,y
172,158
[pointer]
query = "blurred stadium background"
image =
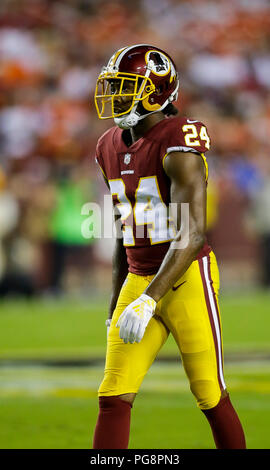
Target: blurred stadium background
x,y
54,284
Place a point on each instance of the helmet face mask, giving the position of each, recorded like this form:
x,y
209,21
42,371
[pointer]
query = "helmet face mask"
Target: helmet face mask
x,y
117,94
138,81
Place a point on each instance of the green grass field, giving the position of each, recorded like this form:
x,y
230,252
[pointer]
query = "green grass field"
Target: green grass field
x,y
56,407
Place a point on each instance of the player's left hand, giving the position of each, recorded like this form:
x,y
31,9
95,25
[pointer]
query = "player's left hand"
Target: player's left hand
x,y
135,318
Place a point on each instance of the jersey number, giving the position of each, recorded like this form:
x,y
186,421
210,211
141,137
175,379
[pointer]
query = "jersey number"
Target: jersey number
x,y
149,209
191,138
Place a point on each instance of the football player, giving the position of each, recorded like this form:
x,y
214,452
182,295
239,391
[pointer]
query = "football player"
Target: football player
x,y
151,159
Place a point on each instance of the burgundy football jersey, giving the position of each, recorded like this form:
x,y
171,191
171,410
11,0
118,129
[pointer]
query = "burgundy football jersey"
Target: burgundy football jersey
x,y
140,187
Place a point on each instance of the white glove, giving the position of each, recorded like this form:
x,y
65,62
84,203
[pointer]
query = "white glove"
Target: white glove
x,y
135,318
108,324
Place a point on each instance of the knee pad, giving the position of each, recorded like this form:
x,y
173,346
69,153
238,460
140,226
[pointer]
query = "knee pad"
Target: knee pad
x,y
206,392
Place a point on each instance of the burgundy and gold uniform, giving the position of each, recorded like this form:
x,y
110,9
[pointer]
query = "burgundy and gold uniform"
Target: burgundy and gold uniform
x,y
137,81
140,186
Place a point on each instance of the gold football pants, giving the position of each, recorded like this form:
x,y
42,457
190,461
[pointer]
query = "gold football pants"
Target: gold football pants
x,y
190,312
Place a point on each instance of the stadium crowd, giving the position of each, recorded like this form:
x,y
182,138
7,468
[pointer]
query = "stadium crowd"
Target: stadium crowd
x,y
50,55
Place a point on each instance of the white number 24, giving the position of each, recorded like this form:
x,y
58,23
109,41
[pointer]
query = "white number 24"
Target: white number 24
x,y
149,209
191,138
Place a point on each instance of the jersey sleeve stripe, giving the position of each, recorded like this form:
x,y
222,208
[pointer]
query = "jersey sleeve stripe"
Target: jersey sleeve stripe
x,y
166,154
181,148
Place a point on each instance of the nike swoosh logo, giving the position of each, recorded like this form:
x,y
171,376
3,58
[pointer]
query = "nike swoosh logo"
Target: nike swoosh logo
x,y
179,285
190,122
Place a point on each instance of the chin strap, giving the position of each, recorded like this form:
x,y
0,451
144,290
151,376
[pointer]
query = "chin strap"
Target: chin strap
x,y
127,121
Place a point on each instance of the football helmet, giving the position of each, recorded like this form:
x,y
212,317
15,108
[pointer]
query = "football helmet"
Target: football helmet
x,y
137,81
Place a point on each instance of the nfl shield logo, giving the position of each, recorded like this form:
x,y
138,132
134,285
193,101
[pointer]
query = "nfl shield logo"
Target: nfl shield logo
x,y
127,158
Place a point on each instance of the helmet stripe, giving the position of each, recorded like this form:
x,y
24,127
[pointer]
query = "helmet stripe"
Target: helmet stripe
x,y
116,55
